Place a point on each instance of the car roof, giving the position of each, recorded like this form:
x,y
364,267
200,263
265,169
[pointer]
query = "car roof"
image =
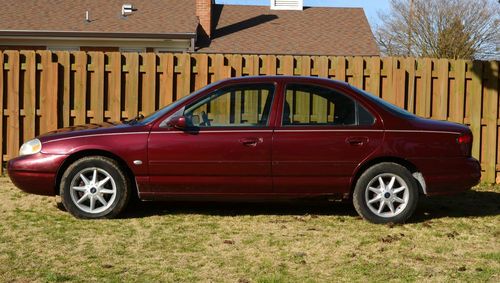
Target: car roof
x,y
280,78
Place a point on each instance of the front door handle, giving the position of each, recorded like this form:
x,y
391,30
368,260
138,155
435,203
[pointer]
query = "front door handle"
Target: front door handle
x,y
357,141
251,142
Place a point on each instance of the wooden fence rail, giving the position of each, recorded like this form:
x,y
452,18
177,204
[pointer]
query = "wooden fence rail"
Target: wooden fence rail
x,y
43,90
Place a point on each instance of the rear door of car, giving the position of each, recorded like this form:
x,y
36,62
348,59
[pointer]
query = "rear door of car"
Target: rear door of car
x,y
323,135
226,150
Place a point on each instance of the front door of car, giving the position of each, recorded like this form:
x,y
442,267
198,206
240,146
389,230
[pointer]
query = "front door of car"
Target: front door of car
x,y
323,136
224,149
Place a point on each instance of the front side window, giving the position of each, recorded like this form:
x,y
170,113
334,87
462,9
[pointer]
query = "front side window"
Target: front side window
x,y
235,106
315,105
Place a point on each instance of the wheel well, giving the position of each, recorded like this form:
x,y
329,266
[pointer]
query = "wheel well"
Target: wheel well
x,y
403,162
75,156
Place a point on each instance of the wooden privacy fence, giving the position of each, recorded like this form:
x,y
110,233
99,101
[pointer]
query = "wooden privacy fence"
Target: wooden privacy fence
x,y
43,91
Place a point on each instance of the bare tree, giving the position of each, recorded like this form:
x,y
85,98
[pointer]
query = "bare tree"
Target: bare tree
x,y
455,29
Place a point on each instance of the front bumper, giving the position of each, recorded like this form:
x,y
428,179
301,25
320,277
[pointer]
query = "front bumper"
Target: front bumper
x,y
35,174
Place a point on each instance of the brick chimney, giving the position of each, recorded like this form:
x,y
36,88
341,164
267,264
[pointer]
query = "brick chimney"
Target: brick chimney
x,y
204,14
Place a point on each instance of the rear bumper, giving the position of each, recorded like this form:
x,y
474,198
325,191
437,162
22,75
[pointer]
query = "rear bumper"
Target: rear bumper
x,y
450,176
35,174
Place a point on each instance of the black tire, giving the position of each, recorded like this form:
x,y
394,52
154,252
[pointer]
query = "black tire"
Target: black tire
x,y
396,212
105,167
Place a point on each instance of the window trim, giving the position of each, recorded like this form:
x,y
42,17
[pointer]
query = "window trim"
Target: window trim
x,y
356,109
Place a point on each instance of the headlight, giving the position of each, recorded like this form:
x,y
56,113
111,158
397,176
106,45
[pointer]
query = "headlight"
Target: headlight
x,y
30,147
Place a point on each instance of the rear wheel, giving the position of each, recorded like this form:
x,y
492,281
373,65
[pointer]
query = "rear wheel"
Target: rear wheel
x,y
386,192
94,187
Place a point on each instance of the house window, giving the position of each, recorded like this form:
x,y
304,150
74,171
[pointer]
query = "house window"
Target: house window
x,y
132,49
167,50
63,48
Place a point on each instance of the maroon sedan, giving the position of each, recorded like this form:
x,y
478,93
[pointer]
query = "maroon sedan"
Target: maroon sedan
x,y
259,138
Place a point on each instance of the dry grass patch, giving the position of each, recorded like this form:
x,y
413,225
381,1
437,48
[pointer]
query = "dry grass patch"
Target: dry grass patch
x,y
453,238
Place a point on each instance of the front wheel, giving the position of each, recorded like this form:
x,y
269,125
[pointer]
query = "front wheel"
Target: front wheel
x,y
94,187
386,193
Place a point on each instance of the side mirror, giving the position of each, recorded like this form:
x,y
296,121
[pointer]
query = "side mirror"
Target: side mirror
x,y
178,122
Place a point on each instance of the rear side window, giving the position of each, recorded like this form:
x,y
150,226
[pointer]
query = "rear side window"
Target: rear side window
x,y
314,105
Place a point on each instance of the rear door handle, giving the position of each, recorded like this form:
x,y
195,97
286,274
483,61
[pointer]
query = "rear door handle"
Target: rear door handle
x,y
357,141
251,142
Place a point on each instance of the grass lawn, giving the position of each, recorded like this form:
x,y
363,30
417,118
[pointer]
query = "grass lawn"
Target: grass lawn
x,y
450,239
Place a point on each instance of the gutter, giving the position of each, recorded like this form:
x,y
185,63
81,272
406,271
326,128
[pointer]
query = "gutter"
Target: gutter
x,y
47,33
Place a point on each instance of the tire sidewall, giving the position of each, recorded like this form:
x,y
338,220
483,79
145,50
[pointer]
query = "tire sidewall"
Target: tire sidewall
x,y
110,166
362,185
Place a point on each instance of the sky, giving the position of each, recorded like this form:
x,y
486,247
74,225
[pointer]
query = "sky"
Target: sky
x,y
371,7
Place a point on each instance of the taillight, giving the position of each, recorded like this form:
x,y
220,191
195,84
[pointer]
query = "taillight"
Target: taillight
x,y
466,138
465,143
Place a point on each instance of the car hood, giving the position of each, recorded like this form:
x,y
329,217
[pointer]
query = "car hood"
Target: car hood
x,y
89,129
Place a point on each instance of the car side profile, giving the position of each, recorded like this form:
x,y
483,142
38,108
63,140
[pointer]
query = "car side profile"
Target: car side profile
x,y
270,137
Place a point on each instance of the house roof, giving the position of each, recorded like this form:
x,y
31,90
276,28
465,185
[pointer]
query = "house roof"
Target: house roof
x,y
237,28
321,31
153,17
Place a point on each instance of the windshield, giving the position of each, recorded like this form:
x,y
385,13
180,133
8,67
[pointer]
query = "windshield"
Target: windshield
x,y
386,105
162,111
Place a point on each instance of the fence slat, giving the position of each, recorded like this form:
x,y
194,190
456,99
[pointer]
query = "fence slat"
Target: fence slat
x,y
410,69
1,109
374,86
97,87
185,75
29,95
132,85
202,71
48,93
424,97
149,83
64,60
323,67
80,86
475,107
270,64
442,94
457,106
358,75
114,85
288,65
340,69
236,64
490,115
167,79
399,82
13,104
387,83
